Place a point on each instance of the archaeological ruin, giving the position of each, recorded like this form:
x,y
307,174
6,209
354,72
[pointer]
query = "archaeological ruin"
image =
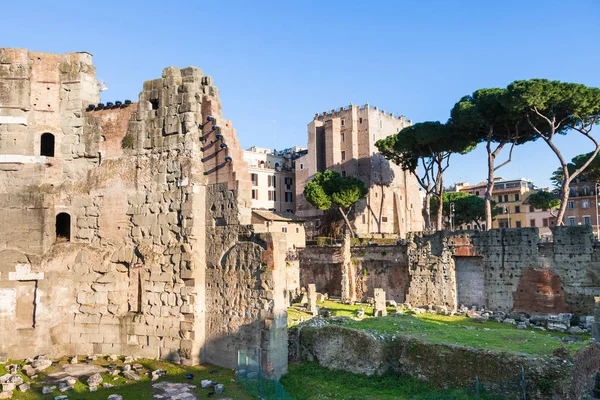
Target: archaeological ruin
x,y
501,269
126,227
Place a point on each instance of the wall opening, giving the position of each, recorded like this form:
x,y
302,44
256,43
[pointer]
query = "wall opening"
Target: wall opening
x,y
47,145
154,103
63,227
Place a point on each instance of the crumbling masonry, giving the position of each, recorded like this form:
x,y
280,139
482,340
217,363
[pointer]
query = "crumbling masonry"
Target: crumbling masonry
x,y
126,229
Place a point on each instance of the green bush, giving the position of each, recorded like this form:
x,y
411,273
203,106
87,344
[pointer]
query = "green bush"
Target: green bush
x,y
127,141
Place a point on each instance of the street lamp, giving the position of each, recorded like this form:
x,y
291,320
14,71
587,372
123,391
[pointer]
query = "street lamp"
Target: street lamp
x,y
451,216
507,211
597,224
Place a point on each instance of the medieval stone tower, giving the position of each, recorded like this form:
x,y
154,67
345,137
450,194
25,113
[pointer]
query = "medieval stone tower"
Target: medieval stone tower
x,y
344,141
125,227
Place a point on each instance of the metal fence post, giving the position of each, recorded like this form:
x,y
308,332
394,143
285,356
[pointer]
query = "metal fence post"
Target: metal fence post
x,y
246,368
260,374
523,384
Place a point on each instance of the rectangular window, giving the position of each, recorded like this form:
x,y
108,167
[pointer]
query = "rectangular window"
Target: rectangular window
x,y
499,199
380,124
297,230
545,222
506,198
517,209
254,179
342,125
271,181
531,209
343,173
343,155
254,194
272,195
342,136
477,193
364,219
383,219
288,197
503,223
571,204
301,166
360,120
572,221
500,210
586,220
284,229
516,197
585,203
518,224
532,223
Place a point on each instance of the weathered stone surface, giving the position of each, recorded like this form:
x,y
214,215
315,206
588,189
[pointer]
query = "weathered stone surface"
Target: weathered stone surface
x,y
146,216
379,308
94,380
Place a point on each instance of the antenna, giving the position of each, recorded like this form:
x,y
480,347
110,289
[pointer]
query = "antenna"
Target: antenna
x,y
102,86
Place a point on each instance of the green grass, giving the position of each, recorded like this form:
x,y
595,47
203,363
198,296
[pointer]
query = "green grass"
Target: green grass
x,y
308,381
137,390
295,316
440,329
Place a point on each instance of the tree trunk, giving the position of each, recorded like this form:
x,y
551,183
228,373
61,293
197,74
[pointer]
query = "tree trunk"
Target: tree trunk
x,y
346,221
489,188
440,214
427,208
564,198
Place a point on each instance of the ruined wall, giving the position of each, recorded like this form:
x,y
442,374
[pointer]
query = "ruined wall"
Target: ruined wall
x,y
501,269
525,275
373,267
158,222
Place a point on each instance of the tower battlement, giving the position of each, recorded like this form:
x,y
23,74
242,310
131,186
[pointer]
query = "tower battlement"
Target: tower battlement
x,y
343,111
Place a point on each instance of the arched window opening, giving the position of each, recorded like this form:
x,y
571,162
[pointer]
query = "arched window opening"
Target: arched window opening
x,y
63,227
47,145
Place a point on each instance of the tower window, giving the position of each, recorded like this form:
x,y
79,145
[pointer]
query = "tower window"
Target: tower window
x,y
63,227
47,145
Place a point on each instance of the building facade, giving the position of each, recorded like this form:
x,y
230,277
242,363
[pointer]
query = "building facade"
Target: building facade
x,y
273,178
511,201
582,206
344,141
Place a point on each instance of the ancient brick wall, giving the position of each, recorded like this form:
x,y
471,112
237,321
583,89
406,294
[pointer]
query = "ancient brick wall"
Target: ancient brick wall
x,y
431,270
372,267
149,227
501,269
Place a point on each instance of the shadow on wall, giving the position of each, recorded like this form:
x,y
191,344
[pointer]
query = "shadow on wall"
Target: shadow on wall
x,y
223,349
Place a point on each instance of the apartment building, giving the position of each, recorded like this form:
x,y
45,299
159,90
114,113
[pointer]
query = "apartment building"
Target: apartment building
x,y
273,177
344,141
511,201
582,206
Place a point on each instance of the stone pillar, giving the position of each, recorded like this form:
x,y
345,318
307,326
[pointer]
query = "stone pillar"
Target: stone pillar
x,y
379,310
596,323
348,284
311,307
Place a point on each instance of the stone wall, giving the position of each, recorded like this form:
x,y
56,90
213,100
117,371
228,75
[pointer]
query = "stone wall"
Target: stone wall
x,y
159,258
372,267
501,269
339,348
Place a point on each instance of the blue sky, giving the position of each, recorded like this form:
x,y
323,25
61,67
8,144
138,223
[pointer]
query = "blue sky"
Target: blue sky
x,y
284,61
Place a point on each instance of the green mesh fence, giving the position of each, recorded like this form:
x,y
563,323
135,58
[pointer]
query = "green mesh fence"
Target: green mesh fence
x,y
249,375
